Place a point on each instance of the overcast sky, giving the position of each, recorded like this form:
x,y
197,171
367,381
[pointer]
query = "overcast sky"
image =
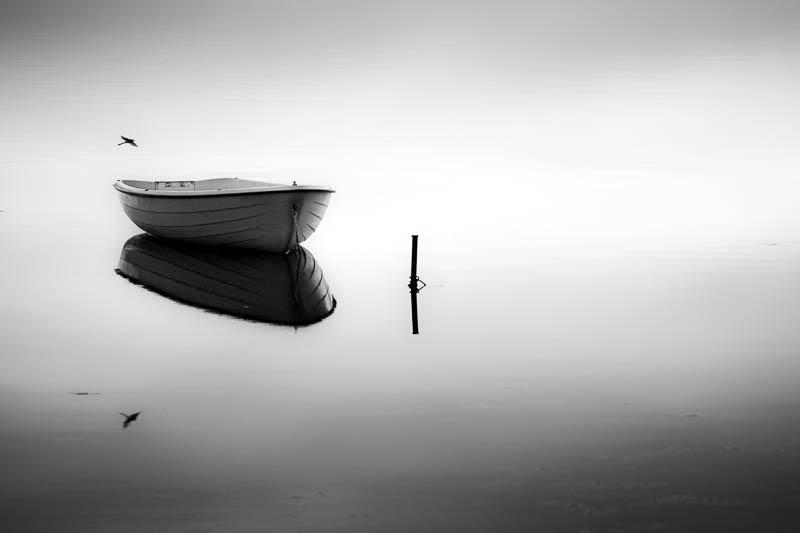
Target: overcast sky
x,y
652,102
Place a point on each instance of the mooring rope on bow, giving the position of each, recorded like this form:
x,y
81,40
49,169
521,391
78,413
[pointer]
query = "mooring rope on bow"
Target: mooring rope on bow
x,y
295,249
295,224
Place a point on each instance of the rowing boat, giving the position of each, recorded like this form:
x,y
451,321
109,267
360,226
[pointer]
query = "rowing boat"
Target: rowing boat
x,y
226,212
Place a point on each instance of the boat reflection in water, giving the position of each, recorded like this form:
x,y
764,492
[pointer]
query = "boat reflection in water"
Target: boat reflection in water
x,y
267,287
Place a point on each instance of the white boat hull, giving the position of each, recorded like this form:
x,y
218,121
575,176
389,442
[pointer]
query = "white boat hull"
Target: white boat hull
x,y
272,219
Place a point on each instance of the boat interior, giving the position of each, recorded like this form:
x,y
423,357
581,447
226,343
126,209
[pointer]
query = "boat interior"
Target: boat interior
x,y
199,185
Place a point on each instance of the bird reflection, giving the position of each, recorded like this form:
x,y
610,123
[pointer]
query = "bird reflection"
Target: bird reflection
x,y
130,418
276,288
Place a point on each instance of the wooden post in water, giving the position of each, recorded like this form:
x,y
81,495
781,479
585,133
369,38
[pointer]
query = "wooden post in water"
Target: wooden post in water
x,y
412,284
414,260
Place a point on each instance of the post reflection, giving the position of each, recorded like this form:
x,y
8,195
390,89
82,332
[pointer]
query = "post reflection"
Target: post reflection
x,y
266,287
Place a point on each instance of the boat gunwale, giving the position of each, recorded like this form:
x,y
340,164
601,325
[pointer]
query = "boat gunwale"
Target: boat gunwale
x,y
123,187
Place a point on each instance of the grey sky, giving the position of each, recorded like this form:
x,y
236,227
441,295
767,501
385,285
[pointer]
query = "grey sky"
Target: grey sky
x,y
317,31
652,92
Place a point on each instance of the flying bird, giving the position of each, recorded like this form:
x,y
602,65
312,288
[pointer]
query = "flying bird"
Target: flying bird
x,y
125,140
129,418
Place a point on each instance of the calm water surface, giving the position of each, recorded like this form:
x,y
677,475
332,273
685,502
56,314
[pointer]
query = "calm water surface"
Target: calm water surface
x,y
562,389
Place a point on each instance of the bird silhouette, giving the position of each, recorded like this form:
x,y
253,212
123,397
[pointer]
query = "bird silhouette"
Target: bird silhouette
x,y
130,418
125,140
